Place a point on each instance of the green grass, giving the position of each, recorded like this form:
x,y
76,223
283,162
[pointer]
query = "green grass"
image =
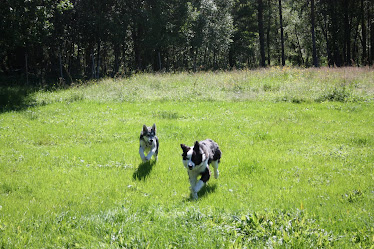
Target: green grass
x,y
296,169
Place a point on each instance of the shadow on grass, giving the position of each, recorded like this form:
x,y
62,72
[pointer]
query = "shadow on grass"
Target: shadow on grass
x,y
15,95
204,192
143,170
208,189
15,98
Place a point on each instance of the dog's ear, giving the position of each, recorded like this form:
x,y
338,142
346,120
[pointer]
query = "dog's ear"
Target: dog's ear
x,y
185,148
145,129
196,147
154,128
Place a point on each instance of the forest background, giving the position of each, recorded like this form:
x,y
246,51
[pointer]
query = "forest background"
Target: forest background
x,y
75,39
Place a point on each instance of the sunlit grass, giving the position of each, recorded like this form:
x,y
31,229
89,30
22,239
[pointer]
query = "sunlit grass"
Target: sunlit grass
x,y
276,85
293,173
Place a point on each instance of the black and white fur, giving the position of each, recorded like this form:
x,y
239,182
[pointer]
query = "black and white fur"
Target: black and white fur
x,y
148,143
197,160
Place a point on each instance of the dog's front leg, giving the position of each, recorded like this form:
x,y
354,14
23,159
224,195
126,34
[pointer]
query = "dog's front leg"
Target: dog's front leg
x,y
198,187
215,166
151,153
193,180
141,153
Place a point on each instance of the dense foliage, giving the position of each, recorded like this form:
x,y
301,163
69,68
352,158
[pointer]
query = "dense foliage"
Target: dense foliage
x,y
71,39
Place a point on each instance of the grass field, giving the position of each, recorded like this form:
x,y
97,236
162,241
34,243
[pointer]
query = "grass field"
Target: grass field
x,y
296,171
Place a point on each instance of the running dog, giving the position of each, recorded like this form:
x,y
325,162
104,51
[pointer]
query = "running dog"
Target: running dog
x,y
148,143
197,160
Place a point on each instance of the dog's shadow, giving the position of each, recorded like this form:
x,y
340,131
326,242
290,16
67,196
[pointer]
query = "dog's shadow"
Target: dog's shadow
x,y
143,170
204,192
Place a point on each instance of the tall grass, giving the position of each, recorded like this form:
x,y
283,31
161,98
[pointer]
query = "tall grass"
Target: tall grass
x,y
296,170
274,84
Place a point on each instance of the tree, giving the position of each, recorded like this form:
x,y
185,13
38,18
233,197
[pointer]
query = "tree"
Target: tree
x,y
269,14
209,29
281,30
70,39
315,60
260,9
371,25
363,30
347,32
244,46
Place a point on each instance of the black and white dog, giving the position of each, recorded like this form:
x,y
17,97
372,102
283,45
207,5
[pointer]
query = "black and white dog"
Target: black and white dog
x,y
197,160
148,143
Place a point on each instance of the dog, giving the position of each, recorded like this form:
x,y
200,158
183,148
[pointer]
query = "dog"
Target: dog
x,y
197,160
148,143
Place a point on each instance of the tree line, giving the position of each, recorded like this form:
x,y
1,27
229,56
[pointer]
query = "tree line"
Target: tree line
x,y
83,39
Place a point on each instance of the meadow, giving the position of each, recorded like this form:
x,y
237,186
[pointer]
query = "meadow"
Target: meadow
x,y
296,170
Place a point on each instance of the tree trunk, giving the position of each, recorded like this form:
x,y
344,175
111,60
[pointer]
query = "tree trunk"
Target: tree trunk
x,y
281,28
347,34
159,60
61,74
268,32
370,52
26,69
137,46
117,52
363,29
195,60
93,65
261,32
299,48
336,43
372,41
98,59
329,57
315,61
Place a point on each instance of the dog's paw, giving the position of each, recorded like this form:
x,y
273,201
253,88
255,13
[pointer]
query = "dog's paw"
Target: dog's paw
x,y
194,196
216,174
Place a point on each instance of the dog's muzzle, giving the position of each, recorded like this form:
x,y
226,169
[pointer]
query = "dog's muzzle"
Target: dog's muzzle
x,y
190,166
